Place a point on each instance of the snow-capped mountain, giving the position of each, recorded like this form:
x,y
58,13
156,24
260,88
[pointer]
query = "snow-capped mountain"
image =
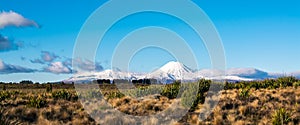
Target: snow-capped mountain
x,y
178,71
106,74
173,71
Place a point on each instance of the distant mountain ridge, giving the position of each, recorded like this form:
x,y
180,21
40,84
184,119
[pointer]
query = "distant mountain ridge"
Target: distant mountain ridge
x,y
247,73
178,71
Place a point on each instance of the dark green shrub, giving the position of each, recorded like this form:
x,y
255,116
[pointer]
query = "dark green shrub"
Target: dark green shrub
x,y
191,97
275,85
26,82
229,85
112,95
4,95
244,93
142,91
171,91
269,83
242,85
49,88
286,81
263,84
4,87
8,94
255,84
64,94
281,117
204,85
296,84
36,102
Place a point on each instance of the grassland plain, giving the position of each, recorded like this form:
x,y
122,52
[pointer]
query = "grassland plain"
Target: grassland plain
x,y
258,102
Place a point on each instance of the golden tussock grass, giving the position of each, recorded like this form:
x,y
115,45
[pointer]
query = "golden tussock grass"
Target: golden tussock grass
x,y
258,108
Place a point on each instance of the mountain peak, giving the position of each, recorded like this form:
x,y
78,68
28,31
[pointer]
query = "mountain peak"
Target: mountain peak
x,y
173,70
174,66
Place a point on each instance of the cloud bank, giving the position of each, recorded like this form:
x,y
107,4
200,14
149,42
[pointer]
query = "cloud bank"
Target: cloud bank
x,y
8,68
57,68
65,67
53,66
14,19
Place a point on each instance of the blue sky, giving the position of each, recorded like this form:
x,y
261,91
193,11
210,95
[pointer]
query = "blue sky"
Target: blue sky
x,y
258,34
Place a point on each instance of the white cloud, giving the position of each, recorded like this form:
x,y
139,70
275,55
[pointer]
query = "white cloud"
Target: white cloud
x,y
57,65
48,56
14,19
87,65
57,68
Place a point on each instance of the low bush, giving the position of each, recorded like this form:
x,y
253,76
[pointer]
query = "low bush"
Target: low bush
x,y
229,85
296,84
64,94
8,95
281,117
112,95
94,94
286,81
171,91
244,93
204,85
4,87
36,102
263,84
4,95
49,88
142,91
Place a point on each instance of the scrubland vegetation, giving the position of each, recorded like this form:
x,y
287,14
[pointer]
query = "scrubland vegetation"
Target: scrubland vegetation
x,y
270,101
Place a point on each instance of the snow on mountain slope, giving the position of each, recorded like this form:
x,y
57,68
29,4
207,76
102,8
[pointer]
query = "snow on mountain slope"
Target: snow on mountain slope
x,y
110,74
210,73
173,71
106,74
175,68
230,78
